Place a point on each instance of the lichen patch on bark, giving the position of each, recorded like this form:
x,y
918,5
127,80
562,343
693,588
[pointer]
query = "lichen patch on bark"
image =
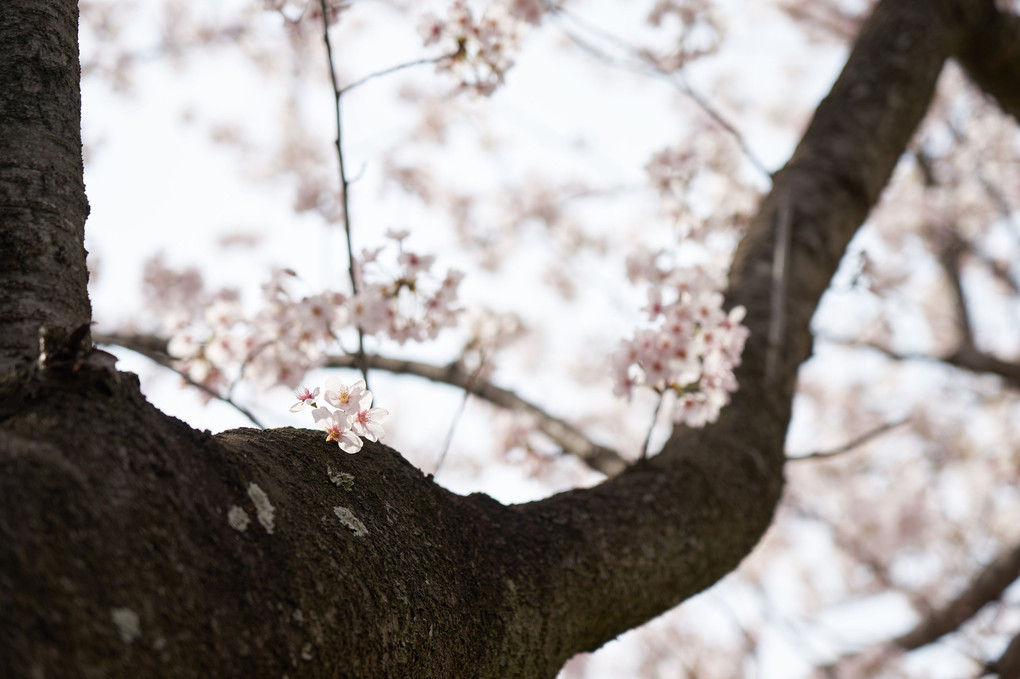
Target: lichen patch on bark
x,y
264,509
348,519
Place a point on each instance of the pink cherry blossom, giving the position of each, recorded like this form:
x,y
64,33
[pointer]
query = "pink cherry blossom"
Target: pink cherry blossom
x,y
692,347
368,422
481,48
336,424
305,397
349,399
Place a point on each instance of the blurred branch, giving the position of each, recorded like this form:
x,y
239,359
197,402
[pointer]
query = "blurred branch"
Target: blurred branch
x,y
393,69
950,258
966,356
858,551
851,444
646,66
987,587
460,412
828,18
969,359
1008,664
154,349
569,438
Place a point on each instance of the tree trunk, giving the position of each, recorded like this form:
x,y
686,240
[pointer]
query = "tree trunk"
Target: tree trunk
x,y
132,545
42,195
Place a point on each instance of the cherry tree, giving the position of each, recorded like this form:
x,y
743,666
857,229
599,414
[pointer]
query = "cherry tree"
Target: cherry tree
x,y
804,365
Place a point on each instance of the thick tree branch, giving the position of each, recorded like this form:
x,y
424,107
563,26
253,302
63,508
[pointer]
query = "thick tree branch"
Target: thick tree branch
x,y
570,439
991,55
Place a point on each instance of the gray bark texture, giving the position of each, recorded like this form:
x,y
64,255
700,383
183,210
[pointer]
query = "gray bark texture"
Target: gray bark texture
x,y
134,546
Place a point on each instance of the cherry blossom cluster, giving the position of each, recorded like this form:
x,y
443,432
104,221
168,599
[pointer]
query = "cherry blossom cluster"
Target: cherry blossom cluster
x,y
692,346
482,47
348,416
215,341
412,304
701,31
699,184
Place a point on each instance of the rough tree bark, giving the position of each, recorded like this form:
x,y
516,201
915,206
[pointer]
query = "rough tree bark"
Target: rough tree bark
x,y
125,545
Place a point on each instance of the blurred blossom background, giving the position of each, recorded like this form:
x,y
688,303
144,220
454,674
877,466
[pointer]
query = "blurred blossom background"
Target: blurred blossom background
x,y
525,181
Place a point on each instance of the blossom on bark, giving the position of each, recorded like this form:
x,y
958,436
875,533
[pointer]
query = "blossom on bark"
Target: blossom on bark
x,y
368,421
353,419
305,397
337,425
349,399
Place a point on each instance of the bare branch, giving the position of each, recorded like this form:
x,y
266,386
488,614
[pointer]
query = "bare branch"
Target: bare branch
x,y
987,587
393,69
459,413
859,551
950,258
644,65
829,19
1008,664
852,443
969,359
154,349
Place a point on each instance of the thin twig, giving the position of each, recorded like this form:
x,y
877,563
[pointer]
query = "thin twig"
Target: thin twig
x,y
344,184
459,413
568,437
166,361
715,115
393,69
648,67
851,444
